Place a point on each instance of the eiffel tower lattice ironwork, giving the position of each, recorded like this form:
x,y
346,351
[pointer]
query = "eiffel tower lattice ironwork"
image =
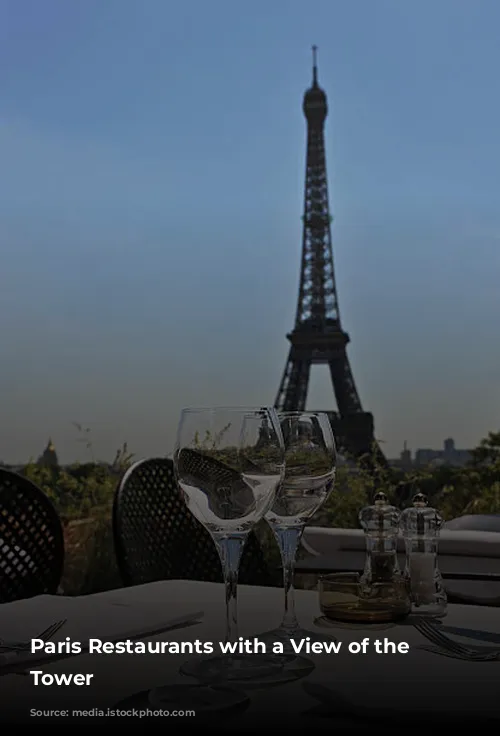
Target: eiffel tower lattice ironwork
x,y
318,336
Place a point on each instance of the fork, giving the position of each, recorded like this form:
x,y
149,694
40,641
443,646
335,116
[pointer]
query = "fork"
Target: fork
x,y
433,634
22,646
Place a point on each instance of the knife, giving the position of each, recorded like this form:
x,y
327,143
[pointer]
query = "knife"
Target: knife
x,y
21,662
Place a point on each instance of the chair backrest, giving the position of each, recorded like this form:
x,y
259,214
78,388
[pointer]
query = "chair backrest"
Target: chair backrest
x,y
156,537
31,540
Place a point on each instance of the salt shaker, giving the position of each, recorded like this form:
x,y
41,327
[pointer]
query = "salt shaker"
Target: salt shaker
x,y
420,525
380,523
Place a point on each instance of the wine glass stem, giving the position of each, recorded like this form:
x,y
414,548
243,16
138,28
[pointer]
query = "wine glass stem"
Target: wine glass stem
x,y
288,539
230,549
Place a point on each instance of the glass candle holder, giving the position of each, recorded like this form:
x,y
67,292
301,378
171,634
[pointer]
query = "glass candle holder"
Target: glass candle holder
x,y
347,598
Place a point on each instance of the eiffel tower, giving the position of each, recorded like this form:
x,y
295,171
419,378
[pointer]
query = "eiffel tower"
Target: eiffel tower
x,y
318,337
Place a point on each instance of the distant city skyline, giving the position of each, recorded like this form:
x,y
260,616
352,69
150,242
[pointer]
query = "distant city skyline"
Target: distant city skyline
x,y
150,203
447,454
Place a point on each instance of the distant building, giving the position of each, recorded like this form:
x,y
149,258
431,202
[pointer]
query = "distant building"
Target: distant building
x,y
48,458
404,462
449,456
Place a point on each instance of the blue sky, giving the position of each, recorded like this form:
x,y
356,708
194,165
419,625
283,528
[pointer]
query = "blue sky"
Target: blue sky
x,y
150,199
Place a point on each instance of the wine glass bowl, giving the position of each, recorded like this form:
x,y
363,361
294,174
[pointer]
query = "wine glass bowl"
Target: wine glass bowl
x,y
310,457
228,488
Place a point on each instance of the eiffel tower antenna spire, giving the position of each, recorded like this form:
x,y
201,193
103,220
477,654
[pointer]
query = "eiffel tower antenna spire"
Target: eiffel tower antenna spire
x,y
315,66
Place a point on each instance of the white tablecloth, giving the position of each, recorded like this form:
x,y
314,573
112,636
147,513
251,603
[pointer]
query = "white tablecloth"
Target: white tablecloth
x,y
387,679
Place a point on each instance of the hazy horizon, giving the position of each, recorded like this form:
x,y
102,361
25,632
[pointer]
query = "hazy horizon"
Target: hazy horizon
x,y
150,213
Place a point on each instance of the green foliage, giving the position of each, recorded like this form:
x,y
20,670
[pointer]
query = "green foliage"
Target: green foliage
x,y
83,495
80,489
488,452
250,458
209,442
473,489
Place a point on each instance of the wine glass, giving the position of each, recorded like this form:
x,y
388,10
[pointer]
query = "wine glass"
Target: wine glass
x,y
229,464
311,459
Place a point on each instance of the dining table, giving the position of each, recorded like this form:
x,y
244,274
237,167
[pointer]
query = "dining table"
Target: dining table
x,y
403,681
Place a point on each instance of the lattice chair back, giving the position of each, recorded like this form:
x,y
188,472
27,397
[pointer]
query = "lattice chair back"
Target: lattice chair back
x,y
31,540
157,538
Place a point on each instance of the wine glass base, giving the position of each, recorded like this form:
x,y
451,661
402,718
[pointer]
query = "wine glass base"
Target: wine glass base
x,y
204,700
294,666
248,671
231,668
283,636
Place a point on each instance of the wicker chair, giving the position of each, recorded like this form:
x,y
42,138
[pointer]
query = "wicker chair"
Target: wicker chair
x,y
31,540
157,538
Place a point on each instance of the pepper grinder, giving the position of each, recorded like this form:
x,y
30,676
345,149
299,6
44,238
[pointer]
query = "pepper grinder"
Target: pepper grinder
x,y
380,523
420,526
